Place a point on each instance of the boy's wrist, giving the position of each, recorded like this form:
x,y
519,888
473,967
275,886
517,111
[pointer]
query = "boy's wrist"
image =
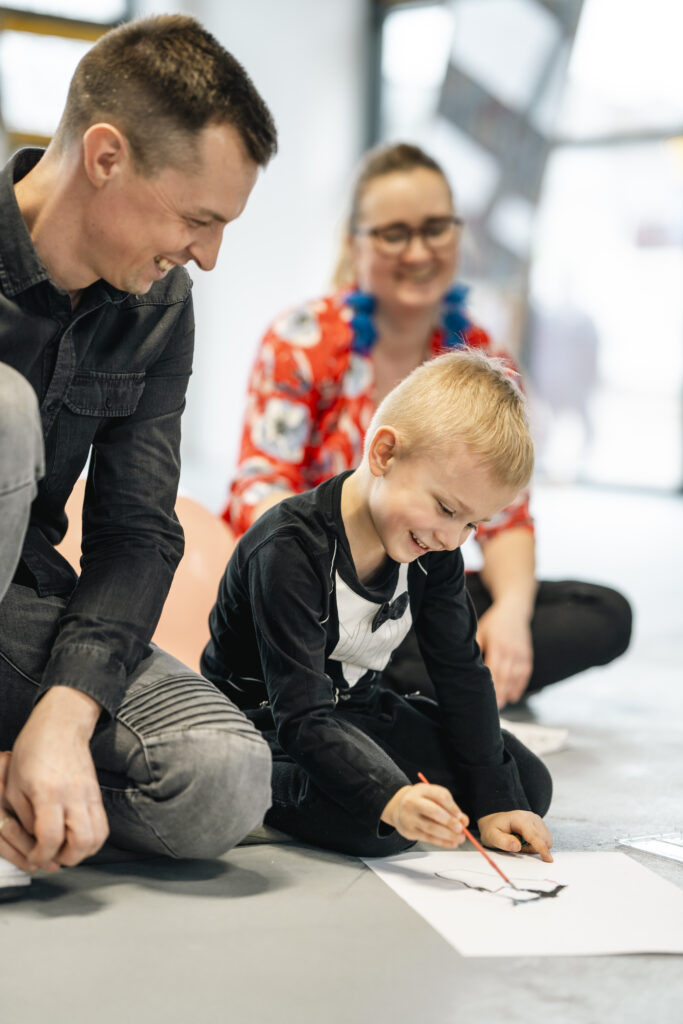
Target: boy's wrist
x,y
391,812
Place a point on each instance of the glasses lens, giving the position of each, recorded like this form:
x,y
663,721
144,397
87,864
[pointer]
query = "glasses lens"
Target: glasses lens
x,y
393,239
440,231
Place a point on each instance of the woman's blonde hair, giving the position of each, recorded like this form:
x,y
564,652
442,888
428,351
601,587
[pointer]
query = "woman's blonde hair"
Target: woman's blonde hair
x,y
462,397
378,162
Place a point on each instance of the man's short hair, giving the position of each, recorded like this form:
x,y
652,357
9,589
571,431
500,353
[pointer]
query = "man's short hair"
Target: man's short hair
x,y
160,80
462,397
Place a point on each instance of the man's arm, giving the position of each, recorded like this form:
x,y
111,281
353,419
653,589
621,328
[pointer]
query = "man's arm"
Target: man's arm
x,y
132,543
132,540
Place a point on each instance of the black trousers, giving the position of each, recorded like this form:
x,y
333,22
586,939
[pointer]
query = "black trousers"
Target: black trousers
x,y
575,626
410,731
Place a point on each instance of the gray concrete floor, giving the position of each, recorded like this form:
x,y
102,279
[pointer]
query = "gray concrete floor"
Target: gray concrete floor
x,y
278,932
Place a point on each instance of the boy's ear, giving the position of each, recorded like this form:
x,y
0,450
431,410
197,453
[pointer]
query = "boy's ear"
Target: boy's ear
x,y
105,152
383,450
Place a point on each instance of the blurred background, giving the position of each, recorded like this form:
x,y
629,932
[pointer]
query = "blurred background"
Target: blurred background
x,y
560,125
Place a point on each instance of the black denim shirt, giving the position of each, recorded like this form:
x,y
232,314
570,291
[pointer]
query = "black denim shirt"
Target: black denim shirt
x,y
110,377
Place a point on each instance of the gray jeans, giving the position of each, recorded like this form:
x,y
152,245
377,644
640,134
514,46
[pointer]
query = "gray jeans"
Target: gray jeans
x,y
183,773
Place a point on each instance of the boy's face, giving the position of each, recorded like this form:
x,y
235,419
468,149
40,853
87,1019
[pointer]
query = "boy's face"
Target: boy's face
x,y
421,503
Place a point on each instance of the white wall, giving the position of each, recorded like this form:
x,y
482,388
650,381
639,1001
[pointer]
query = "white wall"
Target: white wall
x,y
307,59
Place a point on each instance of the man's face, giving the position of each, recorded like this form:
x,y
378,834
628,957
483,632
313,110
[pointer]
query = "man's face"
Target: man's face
x,y
144,226
423,503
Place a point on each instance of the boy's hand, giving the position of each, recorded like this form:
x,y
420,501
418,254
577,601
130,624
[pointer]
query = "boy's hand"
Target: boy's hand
x,y
501,830
427,813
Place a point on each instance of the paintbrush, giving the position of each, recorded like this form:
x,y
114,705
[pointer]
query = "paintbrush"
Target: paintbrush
x,y
477,844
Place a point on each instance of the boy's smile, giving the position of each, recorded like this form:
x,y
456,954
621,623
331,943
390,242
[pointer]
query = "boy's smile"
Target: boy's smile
x,y
408,505
424,503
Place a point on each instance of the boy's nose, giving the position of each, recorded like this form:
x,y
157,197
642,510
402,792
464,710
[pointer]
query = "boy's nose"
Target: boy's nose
x,y
453,537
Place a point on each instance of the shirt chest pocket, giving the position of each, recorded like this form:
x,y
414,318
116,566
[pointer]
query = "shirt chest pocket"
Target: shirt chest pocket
x,y
93,393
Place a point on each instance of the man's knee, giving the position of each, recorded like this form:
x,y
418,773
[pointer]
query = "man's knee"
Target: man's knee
x,y
21,440
229,777
196,770
209,787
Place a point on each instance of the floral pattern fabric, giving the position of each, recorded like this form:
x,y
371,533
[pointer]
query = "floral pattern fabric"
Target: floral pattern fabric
x,y
309,403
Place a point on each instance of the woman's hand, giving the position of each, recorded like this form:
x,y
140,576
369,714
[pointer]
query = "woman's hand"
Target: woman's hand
x,y
504,636
503,829
427,813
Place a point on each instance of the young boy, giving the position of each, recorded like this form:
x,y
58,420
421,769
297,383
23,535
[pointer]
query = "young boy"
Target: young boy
x,y
324,586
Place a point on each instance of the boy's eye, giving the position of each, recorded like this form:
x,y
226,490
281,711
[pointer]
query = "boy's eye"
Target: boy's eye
x,y
446,511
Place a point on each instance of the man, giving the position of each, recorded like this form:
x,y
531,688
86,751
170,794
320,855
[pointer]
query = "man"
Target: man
x,y
158,149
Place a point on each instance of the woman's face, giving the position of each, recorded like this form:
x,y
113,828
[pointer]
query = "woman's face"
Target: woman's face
x,y
417,278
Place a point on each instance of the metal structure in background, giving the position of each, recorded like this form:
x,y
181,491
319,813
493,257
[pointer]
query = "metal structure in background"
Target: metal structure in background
x,y
509,135
520,149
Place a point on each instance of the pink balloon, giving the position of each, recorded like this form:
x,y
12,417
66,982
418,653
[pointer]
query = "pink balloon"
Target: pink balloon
x,y
183,628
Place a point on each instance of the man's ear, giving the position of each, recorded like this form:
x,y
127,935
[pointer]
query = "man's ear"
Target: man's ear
x,y
105,153
383,450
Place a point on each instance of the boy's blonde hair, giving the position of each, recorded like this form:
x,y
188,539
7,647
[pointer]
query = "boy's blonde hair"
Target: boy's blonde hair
x,y
464,397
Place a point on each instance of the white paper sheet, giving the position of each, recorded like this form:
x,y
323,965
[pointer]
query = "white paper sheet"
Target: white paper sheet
x,y
669,844
540,739
610,903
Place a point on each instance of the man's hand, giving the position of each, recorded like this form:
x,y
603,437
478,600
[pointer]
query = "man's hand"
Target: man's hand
x,y
15,841
502,830
428,813
50,785
504,636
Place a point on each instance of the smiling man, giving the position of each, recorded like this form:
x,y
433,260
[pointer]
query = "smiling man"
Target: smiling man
x,y
157,151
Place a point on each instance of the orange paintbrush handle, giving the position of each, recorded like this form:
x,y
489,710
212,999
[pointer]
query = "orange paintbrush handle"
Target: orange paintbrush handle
x,y
476,843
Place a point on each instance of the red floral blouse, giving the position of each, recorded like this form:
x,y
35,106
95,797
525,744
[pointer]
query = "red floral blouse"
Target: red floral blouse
x,y
309,403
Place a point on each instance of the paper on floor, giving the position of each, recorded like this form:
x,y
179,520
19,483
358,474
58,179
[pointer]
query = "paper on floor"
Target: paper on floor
x,y
540,739
669,844
609,904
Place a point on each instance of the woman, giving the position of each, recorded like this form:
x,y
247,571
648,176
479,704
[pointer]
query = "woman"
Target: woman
x,y
321,371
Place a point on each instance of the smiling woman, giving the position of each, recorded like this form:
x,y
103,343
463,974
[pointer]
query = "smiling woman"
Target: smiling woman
x,y
322,369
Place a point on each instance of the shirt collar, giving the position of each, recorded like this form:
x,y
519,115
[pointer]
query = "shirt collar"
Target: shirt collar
x,y
20,266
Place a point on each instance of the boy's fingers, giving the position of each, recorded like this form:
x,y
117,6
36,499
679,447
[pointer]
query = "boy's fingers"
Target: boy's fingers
x,y
435,813
440,836
442,796
538,842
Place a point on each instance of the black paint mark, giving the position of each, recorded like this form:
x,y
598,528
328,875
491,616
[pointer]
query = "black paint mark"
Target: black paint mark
x,y
508,892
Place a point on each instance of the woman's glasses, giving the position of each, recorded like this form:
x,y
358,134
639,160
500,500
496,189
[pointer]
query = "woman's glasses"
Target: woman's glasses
x,y
437,233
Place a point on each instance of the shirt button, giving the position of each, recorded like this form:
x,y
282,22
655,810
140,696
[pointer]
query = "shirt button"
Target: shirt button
x,y
107,403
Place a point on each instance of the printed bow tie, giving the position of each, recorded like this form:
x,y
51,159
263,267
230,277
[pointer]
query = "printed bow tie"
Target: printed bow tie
x,y
390,610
